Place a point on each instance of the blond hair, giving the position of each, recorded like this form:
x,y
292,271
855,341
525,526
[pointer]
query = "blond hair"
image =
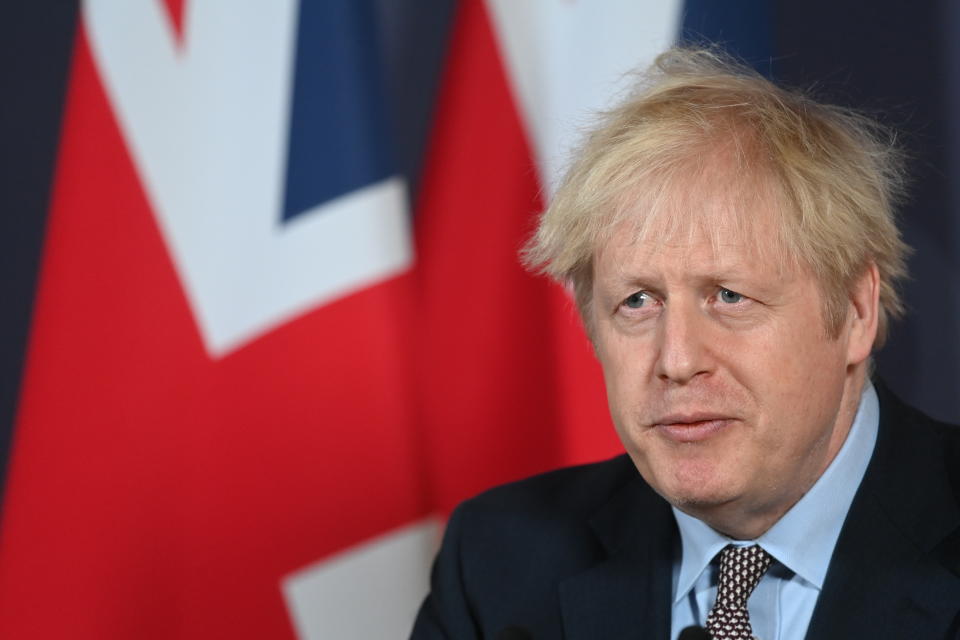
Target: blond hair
x,y
835,174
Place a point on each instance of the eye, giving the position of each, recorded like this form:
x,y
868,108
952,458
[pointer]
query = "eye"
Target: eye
x,y
730,297
637,300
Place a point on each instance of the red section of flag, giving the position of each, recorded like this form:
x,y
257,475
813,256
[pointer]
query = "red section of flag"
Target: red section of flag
x,y
154,493
511,385
175,10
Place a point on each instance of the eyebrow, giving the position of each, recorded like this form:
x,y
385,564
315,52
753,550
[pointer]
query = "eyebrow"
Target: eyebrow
x,y
733,272
734,276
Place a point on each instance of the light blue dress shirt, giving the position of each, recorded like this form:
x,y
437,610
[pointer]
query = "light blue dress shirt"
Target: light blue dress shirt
x,y
801,543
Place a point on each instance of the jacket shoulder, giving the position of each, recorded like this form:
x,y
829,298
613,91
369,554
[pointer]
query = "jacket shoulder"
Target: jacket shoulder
x,y
574,492
506,551
910,429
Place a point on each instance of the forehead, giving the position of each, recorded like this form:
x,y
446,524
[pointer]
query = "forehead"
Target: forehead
x,y
708,215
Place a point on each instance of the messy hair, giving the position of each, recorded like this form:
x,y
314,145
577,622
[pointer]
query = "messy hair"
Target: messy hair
x,y
835,175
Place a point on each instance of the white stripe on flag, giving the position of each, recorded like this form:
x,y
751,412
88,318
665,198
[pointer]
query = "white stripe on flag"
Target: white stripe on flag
x,y
208,135
568,60
369,591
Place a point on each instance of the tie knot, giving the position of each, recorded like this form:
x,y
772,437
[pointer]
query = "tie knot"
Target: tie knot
x,y
740,570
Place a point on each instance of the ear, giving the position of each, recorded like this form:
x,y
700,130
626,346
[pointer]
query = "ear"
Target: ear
x,y
863,318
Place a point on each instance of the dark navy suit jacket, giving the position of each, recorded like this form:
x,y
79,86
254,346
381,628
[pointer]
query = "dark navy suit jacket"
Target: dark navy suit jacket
x,y
586,553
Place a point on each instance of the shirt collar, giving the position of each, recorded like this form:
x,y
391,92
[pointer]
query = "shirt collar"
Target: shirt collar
x,y
804,538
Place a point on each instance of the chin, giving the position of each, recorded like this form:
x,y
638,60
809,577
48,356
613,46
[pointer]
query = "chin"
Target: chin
x,y
698,491
699,481
697,503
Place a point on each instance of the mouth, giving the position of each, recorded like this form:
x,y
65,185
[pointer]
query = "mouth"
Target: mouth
x,y
691,428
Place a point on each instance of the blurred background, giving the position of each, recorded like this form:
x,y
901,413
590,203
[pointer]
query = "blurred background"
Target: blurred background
x,y
263,323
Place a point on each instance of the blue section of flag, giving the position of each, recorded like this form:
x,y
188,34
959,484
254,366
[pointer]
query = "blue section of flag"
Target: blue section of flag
x,y
339,139
744,28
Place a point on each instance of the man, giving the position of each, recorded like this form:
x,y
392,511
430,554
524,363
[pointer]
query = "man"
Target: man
x,y
732,251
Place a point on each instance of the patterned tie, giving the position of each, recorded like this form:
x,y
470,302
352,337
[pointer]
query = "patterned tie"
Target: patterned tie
x,y
740,570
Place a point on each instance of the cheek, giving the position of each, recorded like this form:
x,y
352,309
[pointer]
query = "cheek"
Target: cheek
x,y
794,352
798,399
625,394
626,374
812,368
621,398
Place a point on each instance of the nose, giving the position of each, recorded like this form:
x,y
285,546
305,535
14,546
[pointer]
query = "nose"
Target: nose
x,y
683,344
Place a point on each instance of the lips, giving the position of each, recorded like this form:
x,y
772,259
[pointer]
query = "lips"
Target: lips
x,y
692,427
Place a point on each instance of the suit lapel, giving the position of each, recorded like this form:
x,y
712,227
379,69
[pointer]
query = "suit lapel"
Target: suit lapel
x,y
627,594
895,572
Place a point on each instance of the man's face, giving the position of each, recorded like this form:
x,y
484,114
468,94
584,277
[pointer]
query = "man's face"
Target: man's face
x,y
722,382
